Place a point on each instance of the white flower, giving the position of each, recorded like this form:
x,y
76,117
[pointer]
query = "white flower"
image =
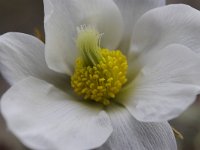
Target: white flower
x,y
44,112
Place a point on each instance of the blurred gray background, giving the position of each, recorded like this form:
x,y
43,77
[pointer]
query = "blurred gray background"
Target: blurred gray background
x,y
25,15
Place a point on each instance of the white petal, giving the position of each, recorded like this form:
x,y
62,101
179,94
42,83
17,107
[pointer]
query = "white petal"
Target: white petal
x,y
43,117
171,24
63,17
130,134
166,85
131,11
22,55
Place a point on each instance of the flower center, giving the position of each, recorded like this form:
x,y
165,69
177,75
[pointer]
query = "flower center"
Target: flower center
x,y
99,73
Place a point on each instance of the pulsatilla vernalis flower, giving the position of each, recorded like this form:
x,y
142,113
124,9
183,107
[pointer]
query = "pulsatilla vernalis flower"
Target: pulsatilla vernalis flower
x,y
117,74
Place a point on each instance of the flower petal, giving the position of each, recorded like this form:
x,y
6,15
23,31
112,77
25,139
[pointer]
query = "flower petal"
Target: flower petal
x,y
22,55
61,21
130,134
154,32
131,11
43,117
166,85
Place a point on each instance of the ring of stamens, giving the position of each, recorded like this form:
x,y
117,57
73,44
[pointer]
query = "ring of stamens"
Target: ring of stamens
x,y
102,81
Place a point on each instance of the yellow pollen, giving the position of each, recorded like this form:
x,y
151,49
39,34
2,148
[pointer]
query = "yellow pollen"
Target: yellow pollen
x,y
101,81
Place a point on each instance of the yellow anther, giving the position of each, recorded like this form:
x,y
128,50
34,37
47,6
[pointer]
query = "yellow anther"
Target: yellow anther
x,y
99,73
106,102
100,82
111,95
100,87
92,85
110,79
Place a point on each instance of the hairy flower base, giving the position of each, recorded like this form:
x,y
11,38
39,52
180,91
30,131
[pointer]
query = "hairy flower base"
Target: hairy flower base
x,y
103,81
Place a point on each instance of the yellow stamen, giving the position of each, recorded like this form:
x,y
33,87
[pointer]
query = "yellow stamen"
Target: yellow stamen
x,y
99,73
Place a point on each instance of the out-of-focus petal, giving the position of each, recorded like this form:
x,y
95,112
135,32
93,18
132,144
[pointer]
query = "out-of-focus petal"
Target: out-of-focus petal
x,y
166,25
43,117
131,11
165,86
131,134
22,55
